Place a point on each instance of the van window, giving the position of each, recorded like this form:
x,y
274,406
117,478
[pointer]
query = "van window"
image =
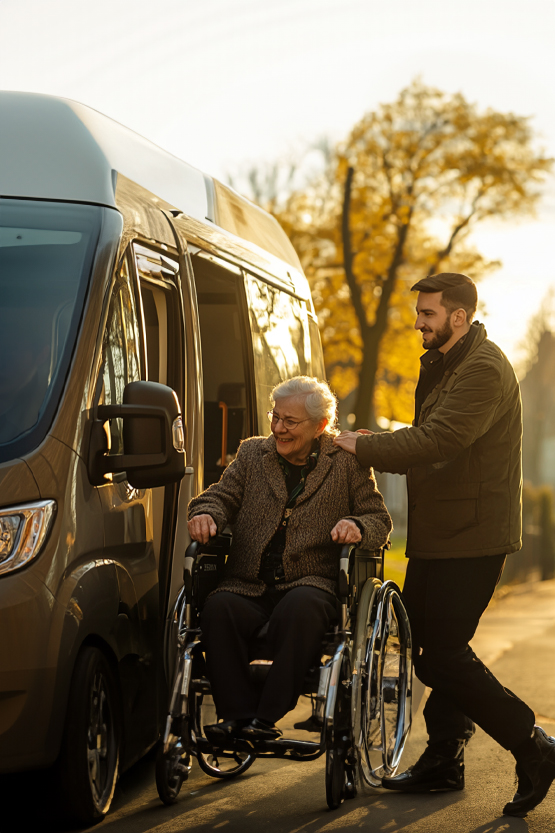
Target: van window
x,y
159,302
121,354
280,340
224,337
46,252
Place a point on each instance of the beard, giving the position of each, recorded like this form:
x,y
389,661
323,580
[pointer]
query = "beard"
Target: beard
x,y
440,338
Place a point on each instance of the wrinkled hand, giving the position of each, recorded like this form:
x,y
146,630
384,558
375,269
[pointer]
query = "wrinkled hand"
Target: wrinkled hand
x,y
202,528
347,440
346,532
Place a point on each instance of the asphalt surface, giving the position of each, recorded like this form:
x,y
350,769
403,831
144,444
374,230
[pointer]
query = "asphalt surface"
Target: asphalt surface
x,y
516,639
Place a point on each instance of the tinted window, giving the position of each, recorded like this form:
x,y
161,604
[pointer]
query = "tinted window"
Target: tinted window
x,y
46,253
280,338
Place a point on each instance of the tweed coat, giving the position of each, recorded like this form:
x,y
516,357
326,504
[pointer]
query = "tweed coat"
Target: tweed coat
x,y
462,459
251,496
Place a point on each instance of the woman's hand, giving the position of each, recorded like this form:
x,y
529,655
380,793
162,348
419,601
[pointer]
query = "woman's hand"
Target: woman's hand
x,y
202,528
346,532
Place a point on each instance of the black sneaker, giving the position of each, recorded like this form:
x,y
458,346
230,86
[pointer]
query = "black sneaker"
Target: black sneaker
x,y
261,730
440,767
535,768
226,729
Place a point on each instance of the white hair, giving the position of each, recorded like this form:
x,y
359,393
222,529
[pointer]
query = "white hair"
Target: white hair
x,y
320,402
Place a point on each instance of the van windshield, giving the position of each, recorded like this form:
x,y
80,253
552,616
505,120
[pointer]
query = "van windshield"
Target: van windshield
x,y
46,251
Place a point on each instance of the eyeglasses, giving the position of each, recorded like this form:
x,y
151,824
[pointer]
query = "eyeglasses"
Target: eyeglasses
x,y
288,423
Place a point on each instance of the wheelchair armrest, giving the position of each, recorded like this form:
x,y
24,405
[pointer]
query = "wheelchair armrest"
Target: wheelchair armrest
x,y
218,545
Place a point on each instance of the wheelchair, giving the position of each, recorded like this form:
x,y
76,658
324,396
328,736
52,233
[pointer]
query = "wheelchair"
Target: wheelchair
x,y
361,693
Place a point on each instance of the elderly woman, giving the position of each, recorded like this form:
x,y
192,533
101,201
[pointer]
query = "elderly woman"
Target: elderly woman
x,y
292,498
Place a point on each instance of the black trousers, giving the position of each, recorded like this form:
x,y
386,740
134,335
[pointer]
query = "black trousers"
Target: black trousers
x,y
298,620
445,599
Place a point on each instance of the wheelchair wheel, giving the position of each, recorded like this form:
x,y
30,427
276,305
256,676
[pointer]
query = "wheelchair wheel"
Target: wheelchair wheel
x,y
172,768
215,763
340,781
382,689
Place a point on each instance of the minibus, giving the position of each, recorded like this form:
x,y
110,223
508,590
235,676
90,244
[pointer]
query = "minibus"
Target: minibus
x,y
146,312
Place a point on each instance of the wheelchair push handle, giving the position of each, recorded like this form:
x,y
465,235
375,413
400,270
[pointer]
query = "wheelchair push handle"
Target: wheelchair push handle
x,y
344,570
350,559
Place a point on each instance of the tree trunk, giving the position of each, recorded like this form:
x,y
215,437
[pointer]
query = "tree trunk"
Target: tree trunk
x,y
371,335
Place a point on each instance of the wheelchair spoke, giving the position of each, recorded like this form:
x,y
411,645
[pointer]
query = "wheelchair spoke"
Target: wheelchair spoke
x,y
383,692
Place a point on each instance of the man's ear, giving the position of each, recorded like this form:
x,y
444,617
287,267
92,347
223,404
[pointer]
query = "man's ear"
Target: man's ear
x,y
459,317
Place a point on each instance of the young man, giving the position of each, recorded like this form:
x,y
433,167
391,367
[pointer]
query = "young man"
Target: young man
x,y
462,458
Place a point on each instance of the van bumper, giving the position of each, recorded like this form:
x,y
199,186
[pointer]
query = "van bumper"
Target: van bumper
x,y
29,616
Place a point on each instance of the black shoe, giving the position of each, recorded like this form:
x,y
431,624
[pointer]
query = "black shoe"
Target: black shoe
x,y
441,767
218,732
535,767
261,730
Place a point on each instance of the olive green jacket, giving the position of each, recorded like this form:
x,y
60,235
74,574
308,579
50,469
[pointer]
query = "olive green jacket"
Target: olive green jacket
x,y
462,459
252,495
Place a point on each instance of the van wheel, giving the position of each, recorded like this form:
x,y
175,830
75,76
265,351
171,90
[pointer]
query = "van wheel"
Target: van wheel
x,y
89,760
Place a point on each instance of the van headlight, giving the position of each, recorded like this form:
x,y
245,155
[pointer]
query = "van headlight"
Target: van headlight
x,y
23,530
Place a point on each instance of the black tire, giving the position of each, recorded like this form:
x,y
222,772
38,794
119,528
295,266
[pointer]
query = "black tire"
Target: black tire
x,y
228,765
335,777
89,760
339,778
172,768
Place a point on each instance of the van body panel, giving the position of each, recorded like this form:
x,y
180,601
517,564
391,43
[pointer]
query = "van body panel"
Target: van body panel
x,y
17,484
26,675
95,579
143,214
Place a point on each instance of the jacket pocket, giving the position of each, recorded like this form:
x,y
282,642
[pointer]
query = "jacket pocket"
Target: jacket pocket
x,y
445,510
457,507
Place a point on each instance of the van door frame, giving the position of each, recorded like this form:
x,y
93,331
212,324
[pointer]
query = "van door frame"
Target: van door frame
x,y
177,381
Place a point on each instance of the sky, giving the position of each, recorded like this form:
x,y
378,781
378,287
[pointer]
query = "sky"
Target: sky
x,y
227,83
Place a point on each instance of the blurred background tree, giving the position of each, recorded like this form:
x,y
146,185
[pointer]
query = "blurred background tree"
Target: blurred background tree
x,y
394,202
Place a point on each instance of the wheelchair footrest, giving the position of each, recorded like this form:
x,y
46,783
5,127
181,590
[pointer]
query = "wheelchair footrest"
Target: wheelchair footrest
x,y
280,748
283,745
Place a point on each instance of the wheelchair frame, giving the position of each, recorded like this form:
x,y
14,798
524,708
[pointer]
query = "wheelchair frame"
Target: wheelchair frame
x,y
364,690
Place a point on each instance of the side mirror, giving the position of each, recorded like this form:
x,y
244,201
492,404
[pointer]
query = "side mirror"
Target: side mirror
x,y
153,438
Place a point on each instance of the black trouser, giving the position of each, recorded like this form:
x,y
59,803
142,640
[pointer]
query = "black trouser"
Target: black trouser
x,y
445,599
298,620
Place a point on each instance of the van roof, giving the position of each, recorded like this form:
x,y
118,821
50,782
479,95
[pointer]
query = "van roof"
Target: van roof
x,y
57,149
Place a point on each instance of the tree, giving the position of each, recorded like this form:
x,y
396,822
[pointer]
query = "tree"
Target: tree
x,y
537,368
397,202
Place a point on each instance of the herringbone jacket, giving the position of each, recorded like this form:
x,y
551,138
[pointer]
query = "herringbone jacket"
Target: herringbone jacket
x,y
251,496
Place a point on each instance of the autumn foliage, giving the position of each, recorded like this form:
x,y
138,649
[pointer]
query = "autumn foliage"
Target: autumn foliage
x,y
397,201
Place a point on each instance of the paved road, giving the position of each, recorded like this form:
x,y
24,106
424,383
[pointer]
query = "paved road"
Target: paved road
x,y
516,638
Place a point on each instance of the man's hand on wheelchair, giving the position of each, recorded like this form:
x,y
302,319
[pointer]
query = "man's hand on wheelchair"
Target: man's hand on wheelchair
x,y
202,528
346,532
